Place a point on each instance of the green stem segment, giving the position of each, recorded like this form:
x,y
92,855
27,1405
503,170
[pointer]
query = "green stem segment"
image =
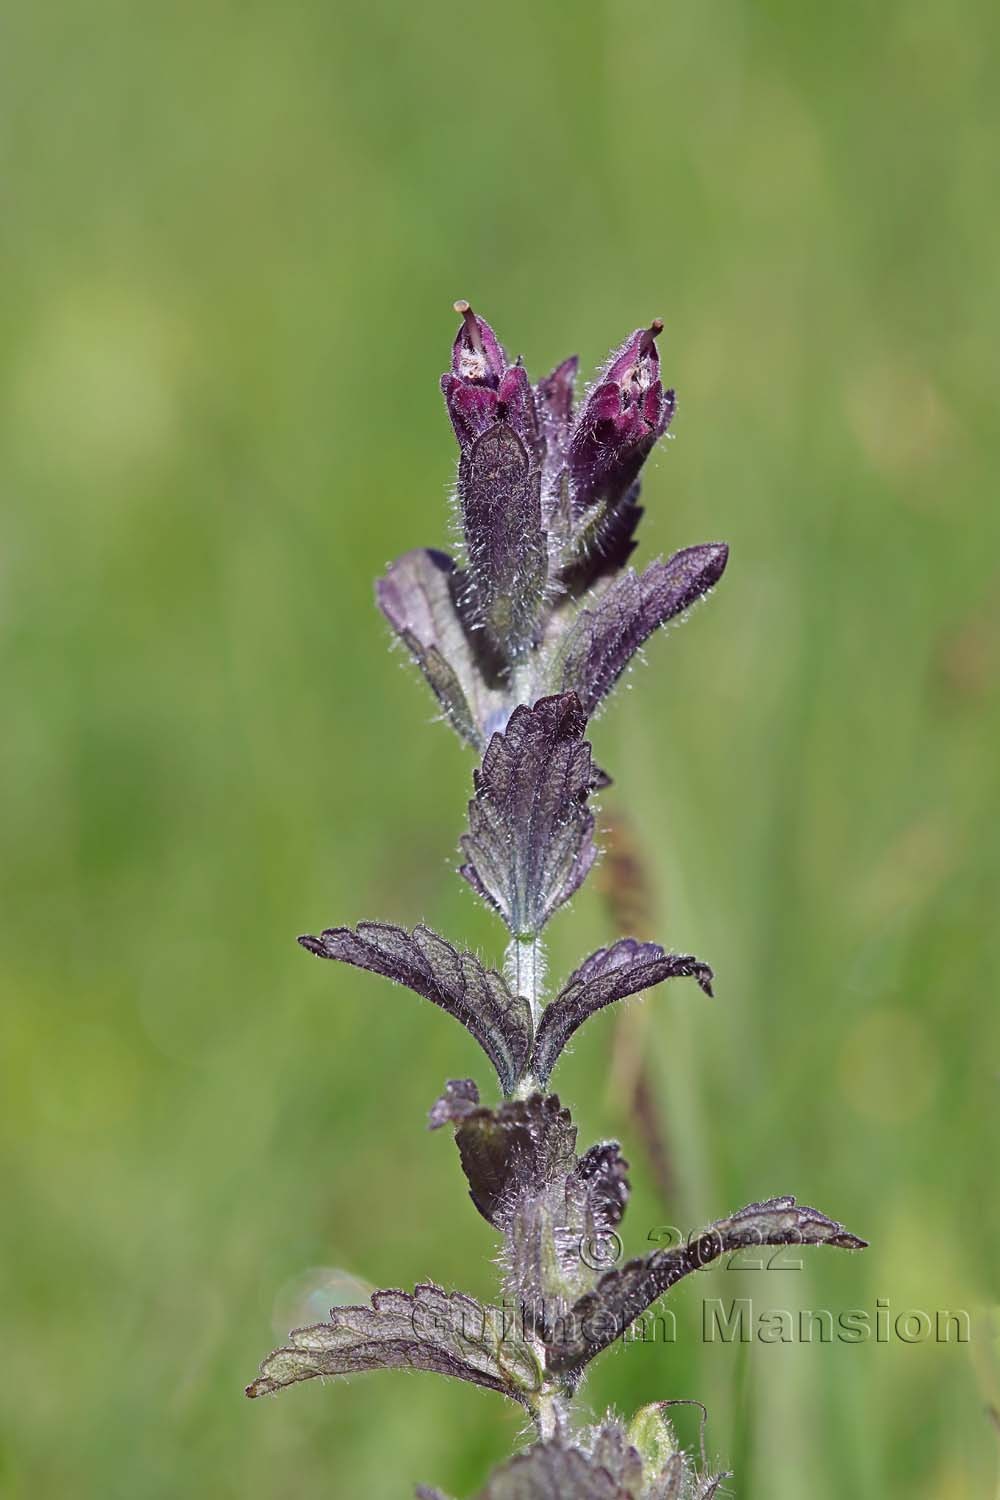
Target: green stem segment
x,y
524,967
549,1412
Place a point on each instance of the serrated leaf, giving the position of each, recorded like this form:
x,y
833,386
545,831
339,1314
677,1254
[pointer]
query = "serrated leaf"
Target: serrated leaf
x,y
460,1098
551,1471
600,1464
610,974
603,1171
499,490
560,1235
525,1178
430,1329
480,998
520,1146
597,647
611,1450
601,1316
419,597
530,840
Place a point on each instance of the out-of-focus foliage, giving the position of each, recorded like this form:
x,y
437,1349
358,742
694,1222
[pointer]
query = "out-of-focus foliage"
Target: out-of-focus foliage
x,y
233,235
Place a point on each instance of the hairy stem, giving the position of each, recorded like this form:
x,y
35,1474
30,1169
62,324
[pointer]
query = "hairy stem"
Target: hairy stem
x,y
549,1412
524,967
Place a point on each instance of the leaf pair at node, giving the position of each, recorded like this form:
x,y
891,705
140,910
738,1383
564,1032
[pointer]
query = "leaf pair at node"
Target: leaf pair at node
x,y
550,1339
557,1210
482,999
529,846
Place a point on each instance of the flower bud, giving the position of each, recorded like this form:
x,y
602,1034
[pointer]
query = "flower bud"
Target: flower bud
x,y
481,388
625,414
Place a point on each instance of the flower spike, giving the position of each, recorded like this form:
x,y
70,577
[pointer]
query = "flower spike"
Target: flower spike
x,y
521,638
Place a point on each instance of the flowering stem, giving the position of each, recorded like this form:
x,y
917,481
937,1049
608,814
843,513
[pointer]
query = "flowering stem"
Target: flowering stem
x,y
548,1411
524,967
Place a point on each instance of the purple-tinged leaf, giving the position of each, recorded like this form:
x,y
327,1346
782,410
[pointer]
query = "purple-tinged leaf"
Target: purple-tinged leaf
x,y
478,997
610,974
610,1449
553,1471
597,647
600,549
418,598
626,412
430,1329
499,490
561,1236
555,403
603,1171
599,1464
530,840
460,1098
555,1210
521,1146
622,1295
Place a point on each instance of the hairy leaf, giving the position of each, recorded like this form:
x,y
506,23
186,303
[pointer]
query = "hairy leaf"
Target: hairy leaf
x,y
478,997
560,1235
601,545
521,1146
600,1464
611,1450
556,1210
460,1098
554,396
551,1471
601,1316
499,488
554,399
530,840
604,1173
600,643
419,597
610,974
446,1332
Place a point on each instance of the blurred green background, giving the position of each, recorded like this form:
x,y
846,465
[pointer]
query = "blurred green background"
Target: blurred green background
x,y
232,236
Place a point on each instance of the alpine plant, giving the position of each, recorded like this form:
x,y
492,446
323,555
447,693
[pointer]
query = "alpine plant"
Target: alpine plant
x,y
521,641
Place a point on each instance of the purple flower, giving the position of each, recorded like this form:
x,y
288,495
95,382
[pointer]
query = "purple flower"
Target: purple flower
x,y
547,492
626,413
483,388
495,416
